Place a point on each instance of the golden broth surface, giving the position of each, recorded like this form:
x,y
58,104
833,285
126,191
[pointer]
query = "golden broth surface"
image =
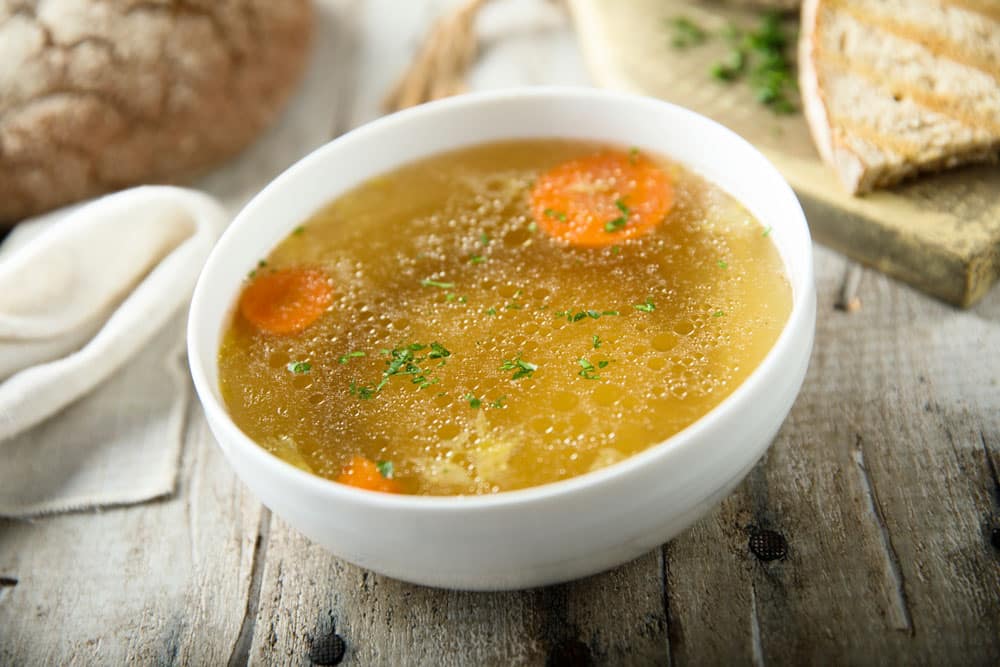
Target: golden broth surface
x,y
445,251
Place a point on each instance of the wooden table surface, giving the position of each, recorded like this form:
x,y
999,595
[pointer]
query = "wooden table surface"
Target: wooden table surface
x,y
869,534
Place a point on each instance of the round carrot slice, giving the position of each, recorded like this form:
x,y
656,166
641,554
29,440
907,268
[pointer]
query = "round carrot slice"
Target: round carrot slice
x,y
602,199
286,301
363,473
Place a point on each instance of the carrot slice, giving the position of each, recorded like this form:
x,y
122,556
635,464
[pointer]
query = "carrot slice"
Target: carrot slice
x,y
602,199
286,301
363,473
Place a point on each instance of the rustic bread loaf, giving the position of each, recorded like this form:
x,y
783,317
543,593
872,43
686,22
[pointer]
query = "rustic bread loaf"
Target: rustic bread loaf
x,y
97,95
892,88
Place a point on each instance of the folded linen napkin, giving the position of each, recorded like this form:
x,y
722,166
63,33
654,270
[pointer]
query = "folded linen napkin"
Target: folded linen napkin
x,y
82,291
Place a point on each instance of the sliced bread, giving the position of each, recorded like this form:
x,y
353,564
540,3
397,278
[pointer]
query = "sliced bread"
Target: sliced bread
x,y
893,88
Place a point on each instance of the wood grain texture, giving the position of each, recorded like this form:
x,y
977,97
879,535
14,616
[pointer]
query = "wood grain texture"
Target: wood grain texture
x,y
165,583
940,233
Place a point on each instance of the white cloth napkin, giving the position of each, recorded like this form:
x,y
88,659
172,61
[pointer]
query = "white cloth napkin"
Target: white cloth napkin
x,y
82,292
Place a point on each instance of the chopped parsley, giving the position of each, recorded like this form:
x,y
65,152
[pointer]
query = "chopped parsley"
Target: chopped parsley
x,y
484,239
261,263
685,32
451,296
616,249
731,67
384,468
343,359
647,307
513,305
299,230
552,213
596,340
767,232
532,226
587,372
427,282
615,225
362,392
474,402
492,312
603,363
499,403
718,313
722,264
476,259
620,205
438,351
299,367
583,314
758,56
633,155
521,368
403,361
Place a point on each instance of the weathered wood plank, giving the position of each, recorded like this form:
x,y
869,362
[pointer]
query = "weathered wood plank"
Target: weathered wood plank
x,y
162,584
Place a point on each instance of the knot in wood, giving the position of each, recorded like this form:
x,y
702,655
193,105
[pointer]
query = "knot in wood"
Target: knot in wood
x,y
328,649
768,545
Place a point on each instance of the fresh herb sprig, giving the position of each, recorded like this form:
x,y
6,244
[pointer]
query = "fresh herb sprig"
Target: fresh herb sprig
x,y
759,56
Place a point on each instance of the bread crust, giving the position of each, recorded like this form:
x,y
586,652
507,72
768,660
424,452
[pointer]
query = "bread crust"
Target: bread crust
x,y
105,94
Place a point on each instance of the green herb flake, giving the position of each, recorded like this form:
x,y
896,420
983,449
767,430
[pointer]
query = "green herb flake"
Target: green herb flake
x,y
603,363
343,359
620,205
492,312
513,305
718,313
362,392
450,296
476,259
647,307
767,232
427,282
731,67
384,468
685,33
616,250
722,264
597,341
499,403
587,372
532,226
299,367
474,402
610,313
484,239
298,231
438,351
633,155
521,368
552,213
612,226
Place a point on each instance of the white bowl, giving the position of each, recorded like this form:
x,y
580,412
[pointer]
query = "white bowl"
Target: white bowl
x,y
558,531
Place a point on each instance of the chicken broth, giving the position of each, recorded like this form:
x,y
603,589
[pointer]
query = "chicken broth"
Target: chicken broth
x,y
500,317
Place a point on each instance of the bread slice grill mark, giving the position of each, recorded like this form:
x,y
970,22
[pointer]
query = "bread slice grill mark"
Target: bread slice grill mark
x,y
882,106
947,31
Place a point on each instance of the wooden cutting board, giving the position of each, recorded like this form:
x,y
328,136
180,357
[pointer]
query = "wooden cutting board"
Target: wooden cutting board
x,y
940,233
